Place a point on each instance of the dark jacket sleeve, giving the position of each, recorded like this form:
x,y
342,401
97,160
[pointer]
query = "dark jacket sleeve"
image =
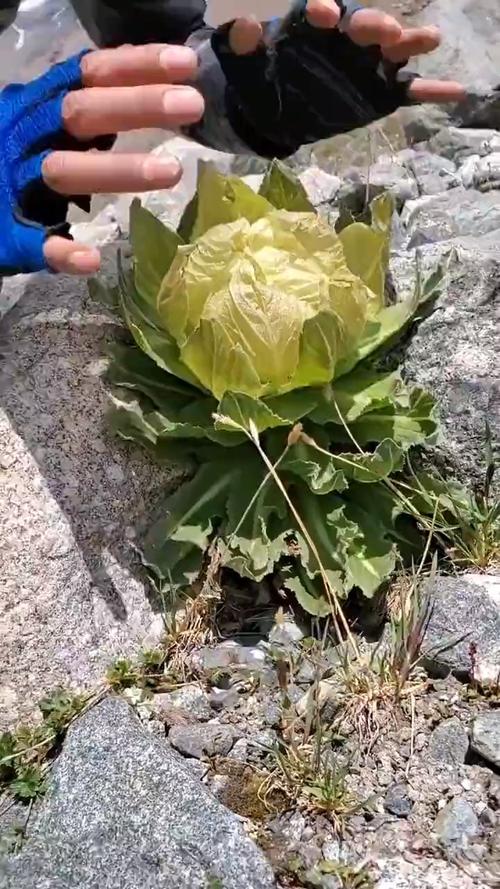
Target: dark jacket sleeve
x,y
8,12
114,22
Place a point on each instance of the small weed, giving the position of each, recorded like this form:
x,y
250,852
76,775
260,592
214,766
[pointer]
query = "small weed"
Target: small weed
x,y
25,753
348,876
410,610
122,674
60,708
29,783
148,674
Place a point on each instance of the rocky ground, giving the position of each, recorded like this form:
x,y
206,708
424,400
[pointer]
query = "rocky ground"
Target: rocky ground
x,y
248,753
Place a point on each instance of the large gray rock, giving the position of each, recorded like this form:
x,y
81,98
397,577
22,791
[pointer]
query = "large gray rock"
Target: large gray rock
x,y
454,352
469,51
453,214
415,873
458,143
123,812
464,628
433,174
71,497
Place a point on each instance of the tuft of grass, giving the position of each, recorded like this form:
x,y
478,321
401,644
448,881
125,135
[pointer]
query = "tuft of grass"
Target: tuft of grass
x,y
304,775
373,691
368,692
466,524
188,625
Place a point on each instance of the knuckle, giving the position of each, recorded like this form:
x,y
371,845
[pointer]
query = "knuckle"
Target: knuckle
x,y
54,170
87,64
73,111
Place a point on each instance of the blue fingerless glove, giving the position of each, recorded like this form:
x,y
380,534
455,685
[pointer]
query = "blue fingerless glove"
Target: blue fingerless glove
x,y
31,126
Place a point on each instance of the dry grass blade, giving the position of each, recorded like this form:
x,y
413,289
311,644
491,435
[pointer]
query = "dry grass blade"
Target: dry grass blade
x,y
193,624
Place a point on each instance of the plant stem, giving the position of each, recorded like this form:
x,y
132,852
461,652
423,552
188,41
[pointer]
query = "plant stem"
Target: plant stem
x,y
331,594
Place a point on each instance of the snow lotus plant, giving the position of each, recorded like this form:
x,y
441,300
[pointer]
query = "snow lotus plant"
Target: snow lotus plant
x,y
254,317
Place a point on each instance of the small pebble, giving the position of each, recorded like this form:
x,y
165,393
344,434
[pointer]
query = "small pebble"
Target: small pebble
x,y
420,741
224,698
331,850
397,801
487,817
202,740
190,700
239,751
265,740
456,824
286,635
494,791
449,743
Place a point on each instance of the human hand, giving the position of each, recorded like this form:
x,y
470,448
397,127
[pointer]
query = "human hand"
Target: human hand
x,y
50,130
320,72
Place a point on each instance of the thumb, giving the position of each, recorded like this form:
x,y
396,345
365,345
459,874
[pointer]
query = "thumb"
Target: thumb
x,y
71,258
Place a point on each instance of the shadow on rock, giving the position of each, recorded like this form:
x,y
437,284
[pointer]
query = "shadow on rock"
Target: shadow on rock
x,y
71,497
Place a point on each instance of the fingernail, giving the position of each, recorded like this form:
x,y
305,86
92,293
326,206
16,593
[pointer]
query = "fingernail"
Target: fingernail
x,y
84,262
245,35
183,103
327,11
156,169
173,57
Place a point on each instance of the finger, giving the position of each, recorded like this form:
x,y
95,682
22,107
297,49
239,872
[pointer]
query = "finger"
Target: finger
x,y
136,65
245,36
73,172
436,91
322,13
88,113
369,26
413,42
71,258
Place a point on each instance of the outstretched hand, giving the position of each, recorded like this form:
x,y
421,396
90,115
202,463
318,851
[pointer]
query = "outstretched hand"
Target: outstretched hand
x,y
50,128
322,74
123,89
